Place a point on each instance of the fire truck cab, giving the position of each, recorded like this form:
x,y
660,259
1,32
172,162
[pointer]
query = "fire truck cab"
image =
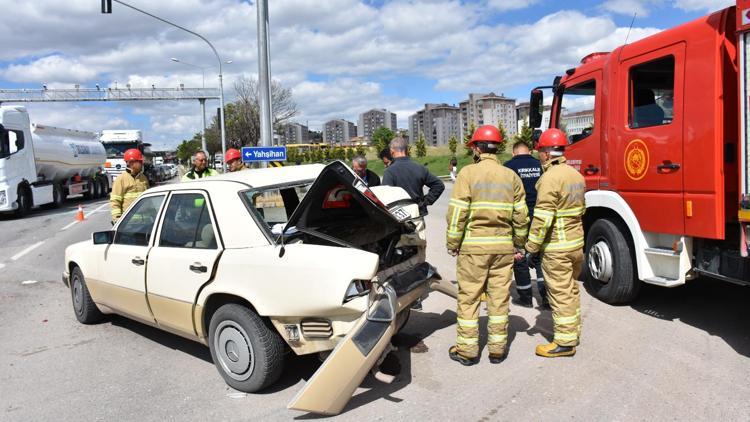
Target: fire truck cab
x,y
658,129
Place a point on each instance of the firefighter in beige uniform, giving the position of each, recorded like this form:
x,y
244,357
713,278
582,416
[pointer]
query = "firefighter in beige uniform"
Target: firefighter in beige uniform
x,y
487,216
557,232
129,185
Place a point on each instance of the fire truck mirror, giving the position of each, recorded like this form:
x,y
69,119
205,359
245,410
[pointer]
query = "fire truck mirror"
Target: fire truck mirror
x,y
536,105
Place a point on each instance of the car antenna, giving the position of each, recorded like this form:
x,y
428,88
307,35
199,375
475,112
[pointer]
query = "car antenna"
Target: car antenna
x,y
632,21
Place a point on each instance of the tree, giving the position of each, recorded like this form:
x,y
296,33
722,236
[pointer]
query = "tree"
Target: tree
x,y
421,146
467,138
453,144
187,148
526,135
381,138
503,137
361,150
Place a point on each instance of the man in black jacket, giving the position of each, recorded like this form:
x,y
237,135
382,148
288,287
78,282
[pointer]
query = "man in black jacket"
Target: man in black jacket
x,y
529,169
412,177
359,165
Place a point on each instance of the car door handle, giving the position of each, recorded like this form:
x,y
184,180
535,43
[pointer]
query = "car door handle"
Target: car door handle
x,y
667,167
591,170
198,268
138,261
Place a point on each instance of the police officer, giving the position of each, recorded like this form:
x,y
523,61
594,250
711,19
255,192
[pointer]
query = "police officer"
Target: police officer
x,y
529,169
129,185
234,160
200,168
557,232
486,217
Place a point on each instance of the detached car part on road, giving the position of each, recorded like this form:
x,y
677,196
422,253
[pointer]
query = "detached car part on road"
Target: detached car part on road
x,y
246,263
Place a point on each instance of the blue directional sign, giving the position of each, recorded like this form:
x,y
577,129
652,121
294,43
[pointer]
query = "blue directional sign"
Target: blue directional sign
x,y
254,154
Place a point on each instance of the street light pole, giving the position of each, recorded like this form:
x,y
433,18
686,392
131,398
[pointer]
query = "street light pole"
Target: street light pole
x,y
202,100
264,74
221,83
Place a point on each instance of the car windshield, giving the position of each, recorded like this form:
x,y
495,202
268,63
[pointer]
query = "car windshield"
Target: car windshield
x,y
117,149
275,205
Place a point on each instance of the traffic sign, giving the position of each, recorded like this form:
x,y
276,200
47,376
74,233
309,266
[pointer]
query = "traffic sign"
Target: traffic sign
x,y
255,154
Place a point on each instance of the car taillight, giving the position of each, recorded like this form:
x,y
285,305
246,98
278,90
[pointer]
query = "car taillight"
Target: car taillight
x,y
357,288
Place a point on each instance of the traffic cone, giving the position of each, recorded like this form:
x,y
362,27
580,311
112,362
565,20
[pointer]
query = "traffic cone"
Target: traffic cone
x,y
79,214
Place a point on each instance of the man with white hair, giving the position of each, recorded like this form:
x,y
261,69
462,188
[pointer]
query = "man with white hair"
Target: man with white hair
x,y
359,165
200,168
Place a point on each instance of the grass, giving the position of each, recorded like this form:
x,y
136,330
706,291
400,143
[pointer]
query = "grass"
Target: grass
x,y
437,164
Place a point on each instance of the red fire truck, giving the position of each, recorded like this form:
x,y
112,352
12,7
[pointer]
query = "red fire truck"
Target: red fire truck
x,y
659,128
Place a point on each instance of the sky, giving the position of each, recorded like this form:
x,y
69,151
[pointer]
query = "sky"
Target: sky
x,y
339,57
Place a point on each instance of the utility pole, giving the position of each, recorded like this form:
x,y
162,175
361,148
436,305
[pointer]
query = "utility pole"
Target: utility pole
x,y
264,74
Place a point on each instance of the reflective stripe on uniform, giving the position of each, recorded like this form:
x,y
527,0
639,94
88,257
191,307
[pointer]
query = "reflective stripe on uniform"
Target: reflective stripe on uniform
x,y
132,195
570,212
487,205
465,340
566,336
521,232
497,338
518,206
565,320
488,240
558,246
455,233
467,322
113,197
523,287
458,203
498,319
561,230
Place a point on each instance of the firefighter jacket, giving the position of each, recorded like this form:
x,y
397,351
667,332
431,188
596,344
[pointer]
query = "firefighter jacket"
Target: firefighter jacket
x,y
557,224
195,175
125,190
487,212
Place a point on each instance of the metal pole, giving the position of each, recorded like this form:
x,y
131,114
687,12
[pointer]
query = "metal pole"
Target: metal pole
x,y
221,84
203,133
264,74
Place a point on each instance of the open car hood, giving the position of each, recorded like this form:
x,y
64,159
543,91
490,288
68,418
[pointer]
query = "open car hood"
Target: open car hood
x,y
340,206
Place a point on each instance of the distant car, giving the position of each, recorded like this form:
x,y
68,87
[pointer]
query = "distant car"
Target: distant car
x,y
305,257
164,173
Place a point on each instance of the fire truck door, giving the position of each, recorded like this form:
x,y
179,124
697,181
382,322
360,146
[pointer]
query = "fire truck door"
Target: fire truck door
x,y
649,148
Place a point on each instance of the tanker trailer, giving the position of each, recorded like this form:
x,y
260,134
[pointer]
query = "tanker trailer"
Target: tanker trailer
x,y
43,165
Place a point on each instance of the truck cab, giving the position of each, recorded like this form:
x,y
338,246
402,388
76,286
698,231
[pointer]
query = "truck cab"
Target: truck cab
x,y
654,128
19,187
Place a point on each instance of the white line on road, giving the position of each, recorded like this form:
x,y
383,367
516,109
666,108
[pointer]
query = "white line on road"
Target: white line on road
x,y
97,209
25,251
29,282
2,265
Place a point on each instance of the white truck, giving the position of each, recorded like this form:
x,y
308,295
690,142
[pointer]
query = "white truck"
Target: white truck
x,y
116,142
42,165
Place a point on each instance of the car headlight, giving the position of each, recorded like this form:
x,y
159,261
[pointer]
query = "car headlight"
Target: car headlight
x,y
3,197
357,288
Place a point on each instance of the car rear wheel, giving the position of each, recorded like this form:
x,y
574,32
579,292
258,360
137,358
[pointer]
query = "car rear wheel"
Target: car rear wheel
x,y
609,271
83,306
23,201
248,353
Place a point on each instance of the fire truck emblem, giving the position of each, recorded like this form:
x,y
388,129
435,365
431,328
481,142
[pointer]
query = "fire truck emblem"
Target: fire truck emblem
x,y
636,159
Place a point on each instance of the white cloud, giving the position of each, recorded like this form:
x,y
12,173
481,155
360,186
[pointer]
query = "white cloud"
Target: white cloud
x,y
51,68
703,5
505,5
628,7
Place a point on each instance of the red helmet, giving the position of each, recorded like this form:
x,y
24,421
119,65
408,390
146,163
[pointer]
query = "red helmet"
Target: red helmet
x,y
133,154
552,138
486,133
232,154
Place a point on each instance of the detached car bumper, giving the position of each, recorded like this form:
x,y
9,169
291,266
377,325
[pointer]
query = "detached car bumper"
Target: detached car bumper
x,y
66,278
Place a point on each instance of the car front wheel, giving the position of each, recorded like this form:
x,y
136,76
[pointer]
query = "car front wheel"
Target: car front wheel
x,y
83,306
248,353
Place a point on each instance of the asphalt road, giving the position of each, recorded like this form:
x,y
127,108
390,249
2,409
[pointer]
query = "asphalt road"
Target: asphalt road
x,y
673,354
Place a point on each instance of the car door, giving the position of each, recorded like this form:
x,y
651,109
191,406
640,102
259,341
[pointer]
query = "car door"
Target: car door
x,y
123,271
182,259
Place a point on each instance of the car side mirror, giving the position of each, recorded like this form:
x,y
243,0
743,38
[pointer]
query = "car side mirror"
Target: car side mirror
x,y
103,238
536,105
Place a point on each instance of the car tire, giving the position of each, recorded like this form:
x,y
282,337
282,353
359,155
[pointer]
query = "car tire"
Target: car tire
x,y
83,306
24,201
609,273
247,351
90,190
105,186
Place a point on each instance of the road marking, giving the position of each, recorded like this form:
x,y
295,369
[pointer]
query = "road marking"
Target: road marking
x,y
2,265
29,282
25,251
97,209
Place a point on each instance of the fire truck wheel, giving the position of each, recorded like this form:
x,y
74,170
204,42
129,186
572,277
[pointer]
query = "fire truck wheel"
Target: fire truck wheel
x,y
608,269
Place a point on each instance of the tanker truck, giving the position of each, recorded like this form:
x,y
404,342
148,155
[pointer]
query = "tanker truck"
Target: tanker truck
x,y
43,165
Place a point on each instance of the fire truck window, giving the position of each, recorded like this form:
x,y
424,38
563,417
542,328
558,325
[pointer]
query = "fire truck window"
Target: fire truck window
x,y
577,111
652,93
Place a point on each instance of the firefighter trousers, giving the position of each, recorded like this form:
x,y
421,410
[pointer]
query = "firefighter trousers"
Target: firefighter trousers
x,y
560,272
477,274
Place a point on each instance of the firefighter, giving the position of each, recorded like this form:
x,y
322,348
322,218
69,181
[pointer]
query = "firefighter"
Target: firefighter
x,y
129,185
234,160
487,217
557,232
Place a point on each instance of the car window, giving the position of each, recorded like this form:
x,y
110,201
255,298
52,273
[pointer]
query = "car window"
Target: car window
x,y
577,111
187,223
274,206
652,93
135,228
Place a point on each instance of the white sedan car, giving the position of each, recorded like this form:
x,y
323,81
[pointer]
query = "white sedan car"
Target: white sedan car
x,y
250,263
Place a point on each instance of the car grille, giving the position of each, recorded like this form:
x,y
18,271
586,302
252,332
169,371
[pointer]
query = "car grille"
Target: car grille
x,y
316,328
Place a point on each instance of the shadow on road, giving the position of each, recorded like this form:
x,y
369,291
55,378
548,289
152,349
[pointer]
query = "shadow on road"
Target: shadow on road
x,y
68,206
164,338
718,308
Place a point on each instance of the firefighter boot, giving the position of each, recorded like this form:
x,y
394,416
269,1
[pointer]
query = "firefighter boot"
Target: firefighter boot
x,y
497,358
524,298
455,355
553,350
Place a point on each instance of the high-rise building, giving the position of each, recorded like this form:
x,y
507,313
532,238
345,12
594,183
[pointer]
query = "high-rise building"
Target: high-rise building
x,y
489,109
438,122
338,131
294,133
522,116
373,119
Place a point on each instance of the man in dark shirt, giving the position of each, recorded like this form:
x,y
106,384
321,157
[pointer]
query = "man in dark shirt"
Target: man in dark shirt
x,y
529,169
412,177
